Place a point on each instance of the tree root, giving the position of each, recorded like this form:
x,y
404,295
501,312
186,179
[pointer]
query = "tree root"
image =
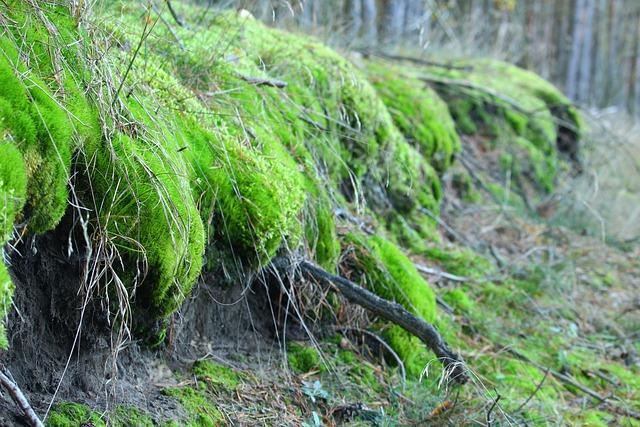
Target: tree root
x,y
16,394
394,312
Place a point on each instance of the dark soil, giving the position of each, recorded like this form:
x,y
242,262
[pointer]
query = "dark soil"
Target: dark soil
x,y
48,319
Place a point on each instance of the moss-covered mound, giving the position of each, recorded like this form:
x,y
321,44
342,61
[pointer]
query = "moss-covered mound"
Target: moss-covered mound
x,y
522,116
221,143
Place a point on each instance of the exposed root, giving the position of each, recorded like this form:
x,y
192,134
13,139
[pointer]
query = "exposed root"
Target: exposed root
x,y
18,397
397,314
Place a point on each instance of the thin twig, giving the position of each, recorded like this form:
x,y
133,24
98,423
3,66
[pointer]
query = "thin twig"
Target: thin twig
x,y
262,81
18,397
419,61
493,405
383,343
174,14
526,402
437,272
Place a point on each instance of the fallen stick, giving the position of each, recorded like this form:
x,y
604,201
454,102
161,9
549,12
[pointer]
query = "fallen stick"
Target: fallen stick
x,y
605,400
397,314
17,396
437,272
262,81
418,61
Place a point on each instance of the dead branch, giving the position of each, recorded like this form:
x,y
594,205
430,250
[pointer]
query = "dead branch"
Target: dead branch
x,y
397,314
418,61
491,408
437,272
605,400
18,397
465,84
262,81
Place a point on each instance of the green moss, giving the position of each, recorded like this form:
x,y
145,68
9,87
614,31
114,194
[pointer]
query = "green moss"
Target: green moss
x,y
302,358
216,375
458,299
197,404
460,261
6,297
594,418
126,416
73,415
254,200
418,112
151,216
13,189
509,104
42,133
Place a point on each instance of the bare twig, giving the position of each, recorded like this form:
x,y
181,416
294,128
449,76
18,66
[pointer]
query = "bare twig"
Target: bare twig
x,y
174,14
262,81
18,397
605,400
418,61
437,272
491,408
397,314
383,343
526,402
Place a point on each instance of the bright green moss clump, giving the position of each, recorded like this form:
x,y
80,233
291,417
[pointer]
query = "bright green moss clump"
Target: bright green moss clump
x,y
216,375
516,109
73,415
418,112
197,404
13,188
302,358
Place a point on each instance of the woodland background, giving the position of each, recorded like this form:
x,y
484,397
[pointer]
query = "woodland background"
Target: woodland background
x,y
589,48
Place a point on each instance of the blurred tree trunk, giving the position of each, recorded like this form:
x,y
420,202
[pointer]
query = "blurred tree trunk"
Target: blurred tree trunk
x,y
586,52
571,85
612,24
392,20
632,82
353,13
369,18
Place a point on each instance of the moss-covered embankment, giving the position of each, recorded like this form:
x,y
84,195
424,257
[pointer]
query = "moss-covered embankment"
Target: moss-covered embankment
x,y
187,156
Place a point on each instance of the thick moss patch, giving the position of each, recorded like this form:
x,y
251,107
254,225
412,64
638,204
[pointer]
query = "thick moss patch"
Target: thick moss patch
x,y
418,112
302,358
518,112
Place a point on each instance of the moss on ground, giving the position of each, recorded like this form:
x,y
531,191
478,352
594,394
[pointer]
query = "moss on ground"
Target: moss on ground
x,y
514,109
193,167
69,414
197,404
302,358
216,376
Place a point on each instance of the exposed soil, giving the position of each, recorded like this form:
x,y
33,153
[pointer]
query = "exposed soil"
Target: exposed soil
x,y
228,322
